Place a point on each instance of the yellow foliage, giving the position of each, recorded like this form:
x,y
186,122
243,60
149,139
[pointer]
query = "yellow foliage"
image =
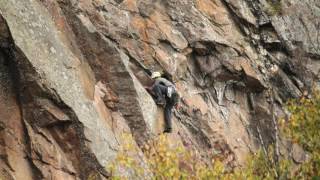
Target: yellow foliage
x,y
274,8
303,128
164,160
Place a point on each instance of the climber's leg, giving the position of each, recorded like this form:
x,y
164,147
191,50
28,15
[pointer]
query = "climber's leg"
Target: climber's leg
x,y
160,92
168,116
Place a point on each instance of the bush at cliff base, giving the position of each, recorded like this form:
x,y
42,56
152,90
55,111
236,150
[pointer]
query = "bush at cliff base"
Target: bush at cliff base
x,y
303,128
162,160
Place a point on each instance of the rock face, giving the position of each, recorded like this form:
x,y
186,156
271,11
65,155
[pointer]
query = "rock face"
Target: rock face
x,y
71,77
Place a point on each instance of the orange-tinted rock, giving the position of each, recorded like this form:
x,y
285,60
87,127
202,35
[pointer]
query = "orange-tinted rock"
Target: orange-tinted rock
x,y
13,138
73,80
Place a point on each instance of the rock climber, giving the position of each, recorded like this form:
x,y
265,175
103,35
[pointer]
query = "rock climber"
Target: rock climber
x,y
166,95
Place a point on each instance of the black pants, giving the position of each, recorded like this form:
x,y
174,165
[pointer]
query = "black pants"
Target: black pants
x,y
161,92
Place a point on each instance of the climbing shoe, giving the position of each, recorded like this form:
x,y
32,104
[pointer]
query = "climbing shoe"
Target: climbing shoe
x,y
167,130
160,102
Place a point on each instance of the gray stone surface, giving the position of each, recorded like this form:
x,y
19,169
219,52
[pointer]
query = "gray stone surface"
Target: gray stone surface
x,y
80,87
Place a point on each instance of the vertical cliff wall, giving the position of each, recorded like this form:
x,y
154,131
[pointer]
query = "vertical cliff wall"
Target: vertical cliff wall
x,y
71,80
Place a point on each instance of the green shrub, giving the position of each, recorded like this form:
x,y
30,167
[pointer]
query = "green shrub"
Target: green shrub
x,y
274,7
303,128
166,161
163,161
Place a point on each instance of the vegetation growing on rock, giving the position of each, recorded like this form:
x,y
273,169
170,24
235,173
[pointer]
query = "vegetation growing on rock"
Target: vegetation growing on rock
x,y
72,77
274,7
167,161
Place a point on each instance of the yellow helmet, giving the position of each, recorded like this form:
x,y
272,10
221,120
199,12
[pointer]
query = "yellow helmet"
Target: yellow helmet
x,y
155,75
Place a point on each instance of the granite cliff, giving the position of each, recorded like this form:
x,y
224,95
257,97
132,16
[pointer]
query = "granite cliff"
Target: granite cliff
x,y
71,77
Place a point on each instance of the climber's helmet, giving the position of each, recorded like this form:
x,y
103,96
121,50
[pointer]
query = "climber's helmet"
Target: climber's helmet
x,y
155,75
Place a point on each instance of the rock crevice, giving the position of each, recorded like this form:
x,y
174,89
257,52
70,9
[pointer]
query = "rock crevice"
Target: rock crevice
x,y
72,77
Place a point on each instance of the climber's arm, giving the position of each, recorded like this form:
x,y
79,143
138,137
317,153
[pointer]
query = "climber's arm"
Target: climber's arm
x,y
149,89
